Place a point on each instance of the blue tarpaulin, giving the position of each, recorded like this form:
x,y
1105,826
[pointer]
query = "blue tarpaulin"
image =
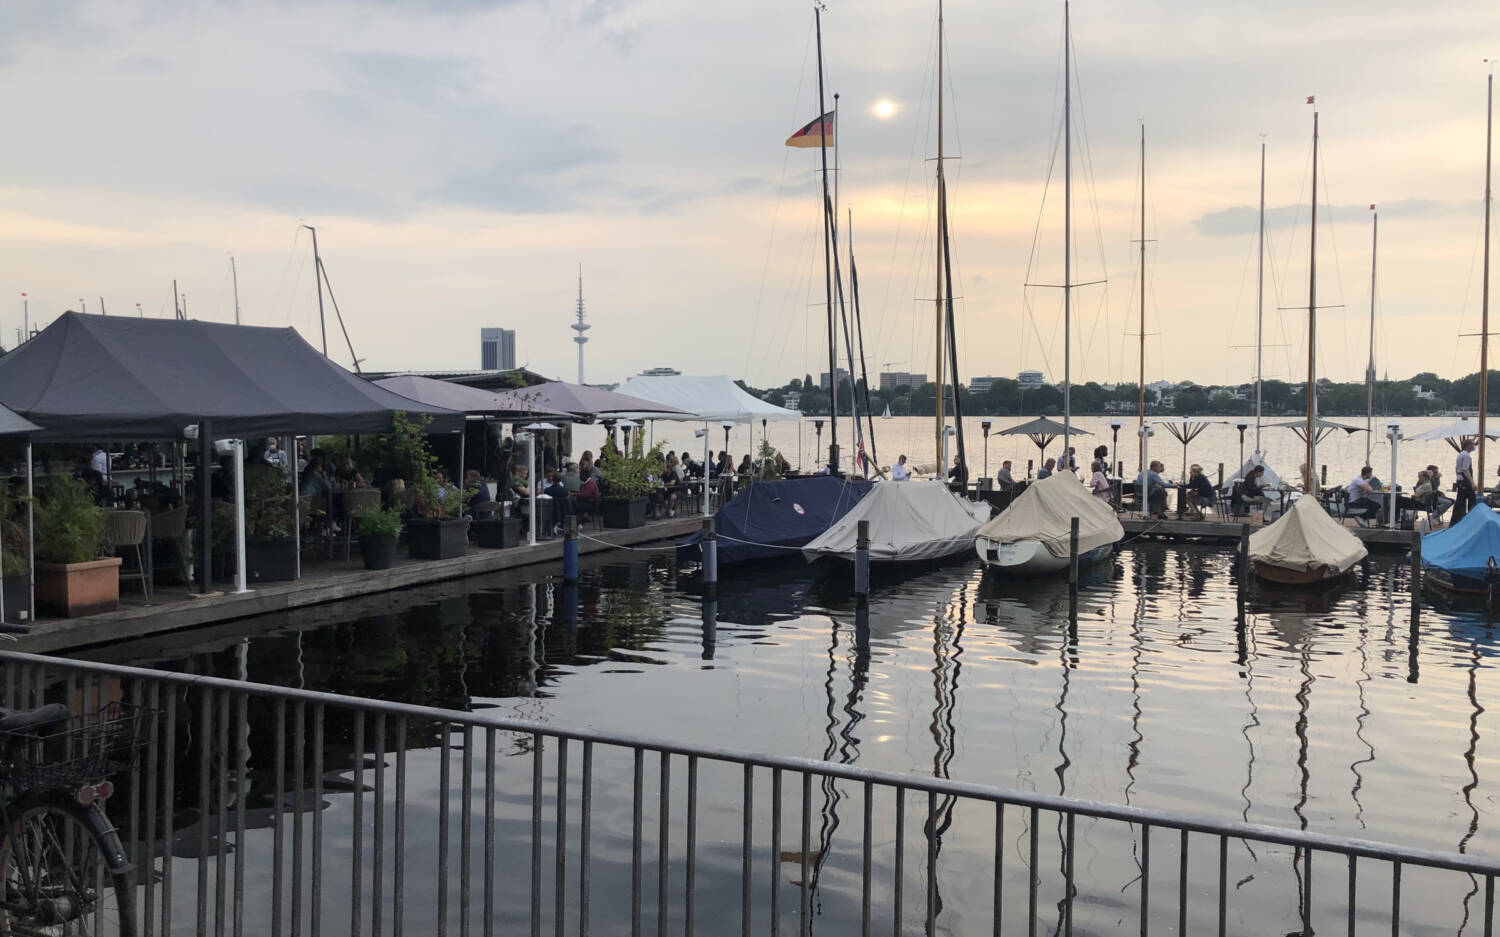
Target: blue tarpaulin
x,y
1465,548
775,519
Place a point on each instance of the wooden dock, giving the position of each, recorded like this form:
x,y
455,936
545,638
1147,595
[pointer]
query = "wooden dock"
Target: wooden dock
x,y
1206,531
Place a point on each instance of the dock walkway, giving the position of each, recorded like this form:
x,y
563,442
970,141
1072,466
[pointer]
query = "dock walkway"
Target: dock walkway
x,y
1229,532
171,608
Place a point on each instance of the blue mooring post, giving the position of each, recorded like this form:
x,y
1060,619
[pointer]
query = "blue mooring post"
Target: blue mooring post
x,y
570,549
709,545
862,560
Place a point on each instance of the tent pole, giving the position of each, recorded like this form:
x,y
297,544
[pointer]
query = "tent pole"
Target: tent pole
x,y
205,505
463,436
707,437
30,539
296,510
531,489
239,516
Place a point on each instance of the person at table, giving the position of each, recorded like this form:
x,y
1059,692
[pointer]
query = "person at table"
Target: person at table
x,y
1099,485
1046,470
1003,478
1252,495
1070,460
348,476
315,482
671,486
1156,490
572,477
1432,498
747,467
1361,498
586,501
1101,455
958,476
517,488
1200,490
273,455
1463,472
561,504
472,482
899,471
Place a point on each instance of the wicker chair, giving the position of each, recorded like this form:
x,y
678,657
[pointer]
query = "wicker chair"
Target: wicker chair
x,y
127,530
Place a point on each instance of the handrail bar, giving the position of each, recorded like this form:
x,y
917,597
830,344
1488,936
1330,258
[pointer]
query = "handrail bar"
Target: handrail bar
x,y
1348,846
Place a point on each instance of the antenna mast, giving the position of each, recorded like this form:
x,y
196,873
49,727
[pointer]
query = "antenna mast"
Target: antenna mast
x,y
580,326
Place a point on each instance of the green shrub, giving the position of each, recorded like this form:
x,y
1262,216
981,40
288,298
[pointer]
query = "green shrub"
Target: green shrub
x,y
70,526
12,531
377,521
625,473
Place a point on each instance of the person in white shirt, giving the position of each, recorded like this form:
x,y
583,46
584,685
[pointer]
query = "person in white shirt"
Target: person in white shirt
x,y
1362,504
99,461
1463,469
899,471
274,455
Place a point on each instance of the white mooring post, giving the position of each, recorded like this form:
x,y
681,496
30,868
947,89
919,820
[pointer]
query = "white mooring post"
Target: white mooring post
x,y
1393,433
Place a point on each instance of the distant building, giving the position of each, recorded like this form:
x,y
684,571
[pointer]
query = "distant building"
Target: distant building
x,y
1031,380
890,380
1423,393
823,378
661,372
982,385
497,349
792,400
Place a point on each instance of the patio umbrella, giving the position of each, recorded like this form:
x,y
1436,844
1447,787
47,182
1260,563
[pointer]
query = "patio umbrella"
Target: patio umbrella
x,y
1184,429
1457,432
1321,427
582,401
1042,431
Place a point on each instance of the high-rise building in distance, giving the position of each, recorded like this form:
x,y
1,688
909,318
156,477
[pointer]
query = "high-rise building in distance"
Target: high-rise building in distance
x,y
497,349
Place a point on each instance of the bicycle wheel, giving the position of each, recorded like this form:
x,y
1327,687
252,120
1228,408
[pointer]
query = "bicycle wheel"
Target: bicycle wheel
x,y
65,887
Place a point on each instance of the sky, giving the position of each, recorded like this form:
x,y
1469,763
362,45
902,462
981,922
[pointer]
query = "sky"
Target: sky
x,y
461,158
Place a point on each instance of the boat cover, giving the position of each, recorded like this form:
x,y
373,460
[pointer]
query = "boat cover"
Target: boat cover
x,y
1045,512
909,522
1306,538
774,519
1465,548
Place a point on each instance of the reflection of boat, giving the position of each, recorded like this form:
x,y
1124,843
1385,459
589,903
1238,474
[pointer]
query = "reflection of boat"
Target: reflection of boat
x,y
1304,547
1032,535
1462,558
909,522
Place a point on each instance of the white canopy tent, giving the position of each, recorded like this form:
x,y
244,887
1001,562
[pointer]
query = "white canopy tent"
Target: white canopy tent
x,y
713,399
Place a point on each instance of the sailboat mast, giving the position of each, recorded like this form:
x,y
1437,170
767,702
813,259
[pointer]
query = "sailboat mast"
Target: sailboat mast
x,y
833,371
1260,291
1312,324
1370,368
1484,295
235,276
1141,381
318,272
1067,233
937,305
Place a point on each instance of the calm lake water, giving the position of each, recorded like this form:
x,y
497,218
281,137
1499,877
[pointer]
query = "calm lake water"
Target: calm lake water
x,y
1321,714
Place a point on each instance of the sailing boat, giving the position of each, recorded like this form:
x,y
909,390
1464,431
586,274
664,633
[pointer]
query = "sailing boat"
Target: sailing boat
x,y
1305,546
1032,535
1462,558
887,414
918,521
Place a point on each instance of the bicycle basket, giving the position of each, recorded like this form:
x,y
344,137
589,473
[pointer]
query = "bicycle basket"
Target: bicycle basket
x,y
75,751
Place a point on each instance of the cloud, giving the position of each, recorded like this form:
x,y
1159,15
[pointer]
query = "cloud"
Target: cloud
x,y
542,169
1244,219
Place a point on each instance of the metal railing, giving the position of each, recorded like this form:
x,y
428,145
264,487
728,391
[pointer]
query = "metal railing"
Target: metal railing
x,y
266,810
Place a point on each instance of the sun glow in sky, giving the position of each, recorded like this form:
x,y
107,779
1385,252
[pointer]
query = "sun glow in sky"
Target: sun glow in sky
x,y
884,109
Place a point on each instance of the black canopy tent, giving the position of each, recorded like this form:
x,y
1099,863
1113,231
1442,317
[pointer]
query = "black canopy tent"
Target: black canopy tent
x,y
89,378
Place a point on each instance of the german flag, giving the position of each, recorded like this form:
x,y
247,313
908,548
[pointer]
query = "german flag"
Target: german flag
x,y
817,132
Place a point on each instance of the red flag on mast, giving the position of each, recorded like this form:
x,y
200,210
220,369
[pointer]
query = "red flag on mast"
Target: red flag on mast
x,y
817,132
1310,98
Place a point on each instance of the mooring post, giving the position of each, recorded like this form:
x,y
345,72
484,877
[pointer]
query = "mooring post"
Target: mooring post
x,y
1221,476
708,543
570,549
1073,555
1029,464
1244,557
862,560
1323,475
1416,576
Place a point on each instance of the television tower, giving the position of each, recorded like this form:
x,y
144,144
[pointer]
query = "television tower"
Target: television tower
x,y
580,326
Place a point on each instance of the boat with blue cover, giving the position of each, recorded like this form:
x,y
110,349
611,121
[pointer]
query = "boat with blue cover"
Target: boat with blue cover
x,y
1463,558
776,519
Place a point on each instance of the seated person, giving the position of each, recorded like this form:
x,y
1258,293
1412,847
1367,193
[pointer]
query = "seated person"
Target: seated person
x,y
1251,493
518,488
1046,470
314,481
958,476
1362,499
586,501
671,486
899,471
572,477
1099,484
1003,478
747,467
1156,490
472,483
1434,501
562,505
1200,489
348,476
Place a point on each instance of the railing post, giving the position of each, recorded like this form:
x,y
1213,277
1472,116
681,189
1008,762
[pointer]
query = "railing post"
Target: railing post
x,y
862,560
570,549
708,544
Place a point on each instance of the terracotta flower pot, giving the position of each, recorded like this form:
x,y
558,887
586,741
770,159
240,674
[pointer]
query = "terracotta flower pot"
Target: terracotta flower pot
x,y
69,590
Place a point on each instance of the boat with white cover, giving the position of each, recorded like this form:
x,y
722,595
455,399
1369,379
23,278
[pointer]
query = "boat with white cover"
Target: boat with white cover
x,y
1031,536
1304,547
910,522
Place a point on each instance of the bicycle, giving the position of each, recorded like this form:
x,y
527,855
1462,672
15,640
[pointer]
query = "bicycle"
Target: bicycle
x,y
62,866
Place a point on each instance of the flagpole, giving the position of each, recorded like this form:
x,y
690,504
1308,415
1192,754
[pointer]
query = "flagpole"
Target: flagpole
x,y
833,371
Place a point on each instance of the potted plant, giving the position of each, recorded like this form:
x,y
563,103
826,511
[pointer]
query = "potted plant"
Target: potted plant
x,y
71,578
497,533
270,550
379,529
438,530
627,481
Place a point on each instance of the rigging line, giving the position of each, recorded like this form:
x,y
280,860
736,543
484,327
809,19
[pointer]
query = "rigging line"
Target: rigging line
x,y
353,358
281,282
1338,276
780,191
1463,310
223,284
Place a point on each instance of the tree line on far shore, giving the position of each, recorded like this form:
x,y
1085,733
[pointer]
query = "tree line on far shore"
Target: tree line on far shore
x,y
1419,395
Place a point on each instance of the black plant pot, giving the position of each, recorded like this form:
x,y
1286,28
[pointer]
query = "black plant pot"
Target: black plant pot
x,y
435,539
378,552
271,561
622,512
17,599
498,533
